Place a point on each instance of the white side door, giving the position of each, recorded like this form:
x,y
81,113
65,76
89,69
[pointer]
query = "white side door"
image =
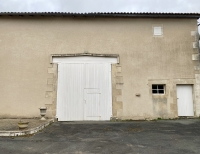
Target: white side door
x,y
185,100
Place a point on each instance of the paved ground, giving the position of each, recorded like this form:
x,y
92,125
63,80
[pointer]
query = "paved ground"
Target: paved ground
x,y
152,137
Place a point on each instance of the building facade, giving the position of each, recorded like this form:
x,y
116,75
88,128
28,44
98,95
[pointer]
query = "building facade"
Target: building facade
x,y
99,66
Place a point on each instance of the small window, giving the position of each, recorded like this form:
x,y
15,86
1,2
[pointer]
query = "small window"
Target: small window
x,y
157,31
158,89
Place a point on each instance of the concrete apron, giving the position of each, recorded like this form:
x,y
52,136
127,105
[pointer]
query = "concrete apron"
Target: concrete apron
x,y
26,132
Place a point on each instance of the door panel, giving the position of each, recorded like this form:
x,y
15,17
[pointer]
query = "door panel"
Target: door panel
x,y
70,92
92,104
185,100
98,76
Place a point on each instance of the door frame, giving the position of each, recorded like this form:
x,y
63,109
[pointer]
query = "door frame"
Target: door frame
x,y
86,54
112,59
173,93
193,99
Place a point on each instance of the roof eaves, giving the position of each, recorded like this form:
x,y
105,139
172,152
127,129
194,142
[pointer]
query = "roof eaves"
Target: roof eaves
x,y
106,14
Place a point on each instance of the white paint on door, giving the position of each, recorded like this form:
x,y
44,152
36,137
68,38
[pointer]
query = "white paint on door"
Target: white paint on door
x,y
92,104
185,100
69,95
84,91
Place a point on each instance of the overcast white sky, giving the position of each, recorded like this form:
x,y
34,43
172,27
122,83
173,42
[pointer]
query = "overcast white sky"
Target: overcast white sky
x,y
100,6
183,6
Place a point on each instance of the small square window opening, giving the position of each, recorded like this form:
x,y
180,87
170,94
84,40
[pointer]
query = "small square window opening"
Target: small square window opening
x,y
158,89
157,31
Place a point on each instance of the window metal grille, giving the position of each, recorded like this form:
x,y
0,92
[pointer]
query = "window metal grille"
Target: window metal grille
x,y
158,89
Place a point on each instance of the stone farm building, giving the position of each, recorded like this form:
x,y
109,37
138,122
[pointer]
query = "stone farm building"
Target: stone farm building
x,y
99,66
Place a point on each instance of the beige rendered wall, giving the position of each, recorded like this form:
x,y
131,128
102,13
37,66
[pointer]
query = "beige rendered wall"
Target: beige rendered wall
x,y
28,80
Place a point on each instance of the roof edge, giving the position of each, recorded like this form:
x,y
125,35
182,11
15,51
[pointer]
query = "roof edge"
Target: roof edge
x,y
106,14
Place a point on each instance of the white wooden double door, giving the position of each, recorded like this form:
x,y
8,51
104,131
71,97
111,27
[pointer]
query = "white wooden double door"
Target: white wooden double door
x,y
84,92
